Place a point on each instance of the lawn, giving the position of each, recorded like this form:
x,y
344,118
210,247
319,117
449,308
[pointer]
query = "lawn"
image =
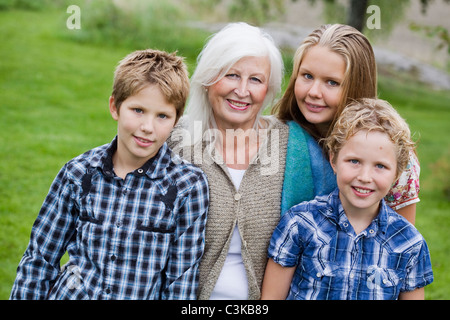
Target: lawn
x,y
54,105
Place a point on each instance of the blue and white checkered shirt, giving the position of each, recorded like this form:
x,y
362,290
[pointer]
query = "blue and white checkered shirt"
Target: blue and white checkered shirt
x,y
389,257
138,238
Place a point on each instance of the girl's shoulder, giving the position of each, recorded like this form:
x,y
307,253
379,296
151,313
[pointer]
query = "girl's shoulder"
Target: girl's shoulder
x,y
405,190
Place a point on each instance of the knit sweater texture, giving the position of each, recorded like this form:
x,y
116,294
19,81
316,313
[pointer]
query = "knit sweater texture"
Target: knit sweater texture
x,y
255,207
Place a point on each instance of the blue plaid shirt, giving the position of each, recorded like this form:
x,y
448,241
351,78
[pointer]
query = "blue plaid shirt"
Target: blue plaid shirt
x,y
389,257
138,238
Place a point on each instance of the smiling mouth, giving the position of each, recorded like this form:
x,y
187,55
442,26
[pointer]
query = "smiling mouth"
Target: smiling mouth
x,y
362,191
314,107
143,142
238,105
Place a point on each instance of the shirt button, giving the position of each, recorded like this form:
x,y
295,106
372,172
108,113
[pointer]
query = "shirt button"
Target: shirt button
x,y
345,224
318,275
113,258
237,196
371,231
385,281
140,170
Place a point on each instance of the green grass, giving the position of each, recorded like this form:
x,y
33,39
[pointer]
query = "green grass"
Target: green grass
x,y
54,90
54,106
428,114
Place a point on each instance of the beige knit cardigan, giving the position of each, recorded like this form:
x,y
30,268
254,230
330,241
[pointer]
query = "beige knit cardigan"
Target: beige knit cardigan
x,y
255,208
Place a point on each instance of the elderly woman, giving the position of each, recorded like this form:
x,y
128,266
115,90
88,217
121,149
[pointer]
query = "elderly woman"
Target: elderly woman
x,y
242,152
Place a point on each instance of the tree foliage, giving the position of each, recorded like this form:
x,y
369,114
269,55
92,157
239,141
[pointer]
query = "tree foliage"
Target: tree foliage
x,y
351,12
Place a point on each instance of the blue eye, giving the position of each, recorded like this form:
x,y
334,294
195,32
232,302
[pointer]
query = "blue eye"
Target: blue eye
x,y
308,76
380,166
333,83
138,110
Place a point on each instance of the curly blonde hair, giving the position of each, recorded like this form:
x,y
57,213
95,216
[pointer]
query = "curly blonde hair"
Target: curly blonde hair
x,y
372,115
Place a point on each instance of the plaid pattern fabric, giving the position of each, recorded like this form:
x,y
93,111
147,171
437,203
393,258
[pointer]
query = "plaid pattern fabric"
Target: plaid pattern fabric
x,y
333,262
138,238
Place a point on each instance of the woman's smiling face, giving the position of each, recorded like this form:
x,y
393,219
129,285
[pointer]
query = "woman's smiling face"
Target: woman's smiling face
x,y
237,98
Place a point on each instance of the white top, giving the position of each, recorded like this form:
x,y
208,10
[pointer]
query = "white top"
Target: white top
x,y
236,176
232,282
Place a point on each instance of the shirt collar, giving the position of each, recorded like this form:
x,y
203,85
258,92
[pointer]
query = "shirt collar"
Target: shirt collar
x,y
335,212
383,216
154,168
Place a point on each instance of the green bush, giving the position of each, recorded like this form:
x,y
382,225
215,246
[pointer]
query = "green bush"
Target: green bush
x,y
137,25
33,5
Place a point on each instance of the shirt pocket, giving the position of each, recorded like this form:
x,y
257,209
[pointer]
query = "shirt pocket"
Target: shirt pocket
x,y
91,231
158,220
316,276
385,283
87,213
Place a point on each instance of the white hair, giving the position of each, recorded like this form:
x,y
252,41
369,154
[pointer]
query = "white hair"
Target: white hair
x,y
232,43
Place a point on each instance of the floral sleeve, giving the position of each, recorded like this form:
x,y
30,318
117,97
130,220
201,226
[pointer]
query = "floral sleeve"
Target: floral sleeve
x,y
405,190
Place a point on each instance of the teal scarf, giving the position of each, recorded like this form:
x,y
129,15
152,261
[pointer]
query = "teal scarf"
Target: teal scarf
x,y
308,172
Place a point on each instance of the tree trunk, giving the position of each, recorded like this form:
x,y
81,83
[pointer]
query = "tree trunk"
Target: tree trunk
x,y
357,14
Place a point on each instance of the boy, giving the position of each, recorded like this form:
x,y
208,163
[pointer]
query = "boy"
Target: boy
x,y
130,216
350,244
